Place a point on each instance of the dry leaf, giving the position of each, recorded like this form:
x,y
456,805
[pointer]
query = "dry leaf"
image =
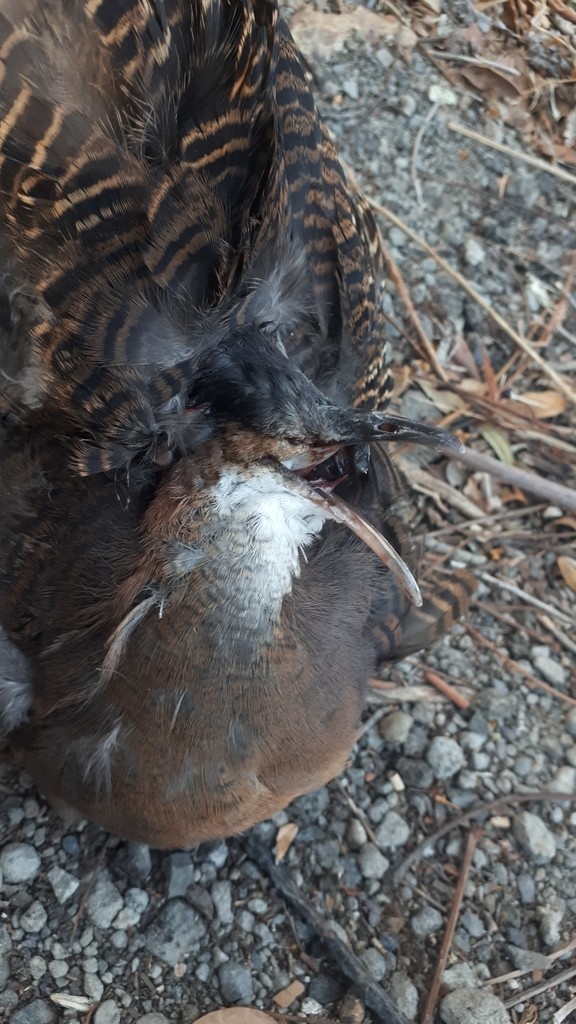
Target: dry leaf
x,y
543,404
79,1003
285,836
567,567
286,996
445,401
499,443
236,1015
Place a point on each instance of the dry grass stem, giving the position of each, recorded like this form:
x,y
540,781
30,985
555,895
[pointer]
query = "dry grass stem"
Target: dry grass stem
x,y
526,598
432,998
542,986
517,154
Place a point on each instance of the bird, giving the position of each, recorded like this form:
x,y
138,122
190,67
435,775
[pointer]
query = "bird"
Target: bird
x,y
205,543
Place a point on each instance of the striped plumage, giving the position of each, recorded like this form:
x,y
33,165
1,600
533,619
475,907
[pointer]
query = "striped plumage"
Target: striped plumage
x,y
190,328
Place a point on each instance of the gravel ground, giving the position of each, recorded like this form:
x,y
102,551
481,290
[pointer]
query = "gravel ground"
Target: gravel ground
x,y
154,937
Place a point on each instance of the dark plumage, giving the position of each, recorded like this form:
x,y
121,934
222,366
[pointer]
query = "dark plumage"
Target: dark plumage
x,y
192,352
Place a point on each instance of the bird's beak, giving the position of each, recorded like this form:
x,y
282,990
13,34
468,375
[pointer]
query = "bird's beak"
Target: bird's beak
x,y
349,427
341,512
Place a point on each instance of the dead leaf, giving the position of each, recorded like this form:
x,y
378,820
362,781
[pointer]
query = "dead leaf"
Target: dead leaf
x,y
543,404
497,82
286,996
567,567
445,401
499,443
236,1015
285,836
69,1002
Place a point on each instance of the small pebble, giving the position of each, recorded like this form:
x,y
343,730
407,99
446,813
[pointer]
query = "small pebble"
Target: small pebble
x,y
393,831
33,918
235,983
374,963
19,863
107,1013
372,863
104,902
445,757
472,1006
36,1012
553,672
356,834
172,934
394,728
534,836
426,921
404,994
63,884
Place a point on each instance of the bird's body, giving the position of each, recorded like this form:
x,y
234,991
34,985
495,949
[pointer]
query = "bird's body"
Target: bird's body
x,y
189,379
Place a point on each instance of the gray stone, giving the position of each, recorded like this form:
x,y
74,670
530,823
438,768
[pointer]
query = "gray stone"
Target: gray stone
x,y
350,88
459,976
58,968
221,893
153,1018
564,781
394,728
218,854
93,987
445,757
36,1012
179,872
534,836
415,773
472,1006
372,863
107,1013
551,916
5,950
104,902
34,917
404,994
526,888
63,884
570,722
385,57
473,924
527,959
19,863
356,834
393,831
374,963
173,933
553,672
235,983
426,921
474,253
138,862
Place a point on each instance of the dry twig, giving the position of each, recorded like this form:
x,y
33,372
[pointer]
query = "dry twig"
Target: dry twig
x,y
517,154
432,998
440,684
548,490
